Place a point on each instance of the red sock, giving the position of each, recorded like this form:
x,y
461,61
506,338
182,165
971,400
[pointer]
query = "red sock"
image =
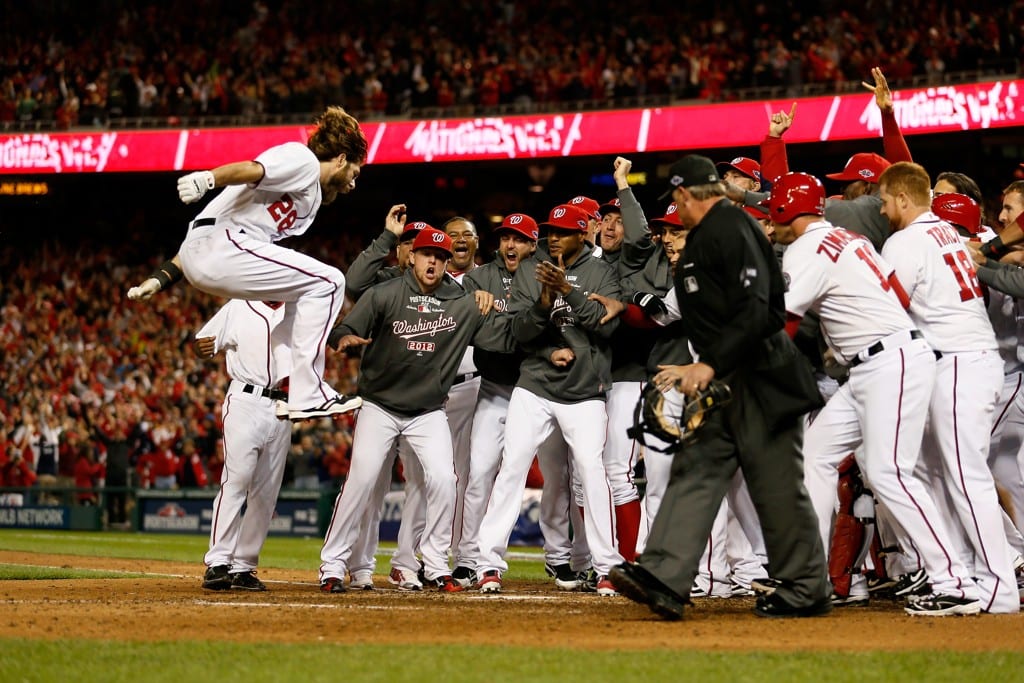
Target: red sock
x,y
627,527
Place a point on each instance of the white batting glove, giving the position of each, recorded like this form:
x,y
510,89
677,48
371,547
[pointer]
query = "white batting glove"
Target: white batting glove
x,y
147,289
193,186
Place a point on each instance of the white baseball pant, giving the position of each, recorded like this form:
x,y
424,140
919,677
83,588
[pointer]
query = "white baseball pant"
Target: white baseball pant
x,y
883,406
530,421
375,434
235,265
255,452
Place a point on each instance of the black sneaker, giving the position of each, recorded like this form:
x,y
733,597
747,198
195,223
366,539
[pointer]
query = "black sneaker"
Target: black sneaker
x,y
914,583
565,578
587,581
217,578
773,605
335,406
639,585
247,581
881,586
942,605
332,585
464,576
850,601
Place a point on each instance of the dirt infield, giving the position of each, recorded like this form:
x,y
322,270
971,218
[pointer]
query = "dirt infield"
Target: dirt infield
x,y
169,605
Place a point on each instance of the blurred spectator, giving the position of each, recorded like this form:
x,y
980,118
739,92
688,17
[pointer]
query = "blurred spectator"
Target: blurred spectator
x,y
89,474
304,457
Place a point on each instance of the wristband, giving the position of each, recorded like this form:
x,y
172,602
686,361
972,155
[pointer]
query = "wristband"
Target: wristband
x,y
994,248
167,274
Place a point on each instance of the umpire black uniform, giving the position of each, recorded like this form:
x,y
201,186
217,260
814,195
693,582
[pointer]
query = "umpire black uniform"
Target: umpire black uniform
x,y
731,299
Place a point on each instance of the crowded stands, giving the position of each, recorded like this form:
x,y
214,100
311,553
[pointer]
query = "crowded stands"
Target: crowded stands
x,y
116,63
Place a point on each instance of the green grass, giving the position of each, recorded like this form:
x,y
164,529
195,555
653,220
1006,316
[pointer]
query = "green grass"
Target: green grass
x,y
21,572
202,661
64,660
280,552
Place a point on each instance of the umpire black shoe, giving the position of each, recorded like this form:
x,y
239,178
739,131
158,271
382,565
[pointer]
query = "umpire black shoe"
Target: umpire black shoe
x,y
247,581
773,605
639,585
217,578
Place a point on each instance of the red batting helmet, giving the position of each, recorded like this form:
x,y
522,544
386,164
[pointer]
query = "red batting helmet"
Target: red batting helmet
x,y
796,194
958,209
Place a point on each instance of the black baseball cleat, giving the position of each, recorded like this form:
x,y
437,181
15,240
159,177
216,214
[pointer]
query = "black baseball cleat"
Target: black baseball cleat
x,y
912,584
565,578
639,585
464,576
217,578
247,581
336,406
332,585
774,606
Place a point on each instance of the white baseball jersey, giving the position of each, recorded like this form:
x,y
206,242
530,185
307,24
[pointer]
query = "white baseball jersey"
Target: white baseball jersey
x,y
839,275
946,299
247,331
283,204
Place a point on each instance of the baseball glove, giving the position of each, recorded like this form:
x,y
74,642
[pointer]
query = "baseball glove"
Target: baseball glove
x,y
675,427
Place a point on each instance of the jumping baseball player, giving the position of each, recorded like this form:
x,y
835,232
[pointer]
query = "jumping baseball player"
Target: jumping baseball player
x,y
230,248
256,442
562,383
417,328
517,242
947,305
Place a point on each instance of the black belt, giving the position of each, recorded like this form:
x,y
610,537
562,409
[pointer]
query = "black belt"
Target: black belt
x,y
259,392
459,379
878,347
202,223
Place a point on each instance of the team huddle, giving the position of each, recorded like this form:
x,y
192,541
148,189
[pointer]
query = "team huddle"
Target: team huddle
x,y
869,446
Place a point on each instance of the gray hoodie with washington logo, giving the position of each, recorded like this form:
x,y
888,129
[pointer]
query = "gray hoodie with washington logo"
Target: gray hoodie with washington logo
x,y
573,322
418,341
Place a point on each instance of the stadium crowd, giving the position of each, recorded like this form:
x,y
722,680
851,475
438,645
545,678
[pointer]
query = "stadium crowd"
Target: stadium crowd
x,y
95,389
115,59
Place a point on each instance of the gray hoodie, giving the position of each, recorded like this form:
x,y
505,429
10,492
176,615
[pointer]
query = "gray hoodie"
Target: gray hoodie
x,y
574,322
418,341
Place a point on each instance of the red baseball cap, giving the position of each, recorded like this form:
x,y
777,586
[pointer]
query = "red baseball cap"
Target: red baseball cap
x,y
757,212
610,206
412,230
863,166
589,206
671,216
521,224
567,217
742,165
429,237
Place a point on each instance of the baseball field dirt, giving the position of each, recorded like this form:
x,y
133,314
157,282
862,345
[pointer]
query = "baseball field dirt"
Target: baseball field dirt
x,y
168,604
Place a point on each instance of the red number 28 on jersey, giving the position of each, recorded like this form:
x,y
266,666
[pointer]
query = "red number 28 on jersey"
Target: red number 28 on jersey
x,y
283,213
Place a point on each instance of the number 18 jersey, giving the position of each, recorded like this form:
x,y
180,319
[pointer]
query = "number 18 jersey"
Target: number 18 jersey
x,y
946,300
839,275
283,204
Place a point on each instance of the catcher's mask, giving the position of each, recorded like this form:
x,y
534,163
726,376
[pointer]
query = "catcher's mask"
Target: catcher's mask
x,y
675,427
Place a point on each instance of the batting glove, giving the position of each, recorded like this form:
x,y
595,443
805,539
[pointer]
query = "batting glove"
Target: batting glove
x,y
147,289
193,186
651,303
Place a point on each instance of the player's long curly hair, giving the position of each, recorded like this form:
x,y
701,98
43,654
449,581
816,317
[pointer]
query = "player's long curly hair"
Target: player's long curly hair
x,y
338,132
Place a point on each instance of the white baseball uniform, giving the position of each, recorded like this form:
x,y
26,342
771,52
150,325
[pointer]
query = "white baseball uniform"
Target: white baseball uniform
x,y
256,442
229,251
946,303
883,404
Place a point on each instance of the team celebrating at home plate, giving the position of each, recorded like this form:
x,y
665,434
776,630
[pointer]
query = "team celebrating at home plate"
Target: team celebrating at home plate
x,y
821,377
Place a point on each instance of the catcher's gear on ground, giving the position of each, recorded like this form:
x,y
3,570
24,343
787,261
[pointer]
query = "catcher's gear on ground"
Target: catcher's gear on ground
x,y
675,423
